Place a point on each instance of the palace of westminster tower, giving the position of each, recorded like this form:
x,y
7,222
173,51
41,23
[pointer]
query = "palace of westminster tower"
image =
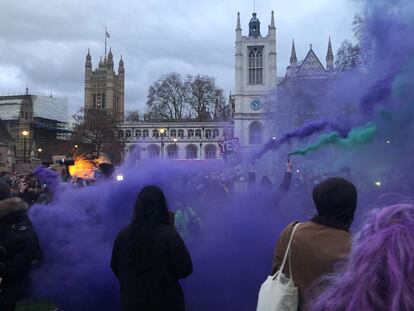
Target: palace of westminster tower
x,y
104,88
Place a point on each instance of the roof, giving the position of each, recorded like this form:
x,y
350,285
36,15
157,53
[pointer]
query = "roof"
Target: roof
x,y
10,109
311,66
45,107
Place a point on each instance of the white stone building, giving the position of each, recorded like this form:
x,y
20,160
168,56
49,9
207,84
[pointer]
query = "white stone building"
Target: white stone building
x,y
173,140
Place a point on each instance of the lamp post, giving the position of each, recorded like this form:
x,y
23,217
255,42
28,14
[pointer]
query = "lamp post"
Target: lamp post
x,y
25,134
162,131
39,152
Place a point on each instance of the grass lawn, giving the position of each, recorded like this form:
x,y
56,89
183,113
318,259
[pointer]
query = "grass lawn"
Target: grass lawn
x,y
32,305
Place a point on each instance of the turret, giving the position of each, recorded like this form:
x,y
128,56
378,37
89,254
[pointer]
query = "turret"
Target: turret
x,y
238,28
88,62
254,26
121,69
110,61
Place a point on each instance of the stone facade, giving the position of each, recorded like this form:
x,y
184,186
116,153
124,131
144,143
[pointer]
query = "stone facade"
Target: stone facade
x,y
255,82
104,89
172,140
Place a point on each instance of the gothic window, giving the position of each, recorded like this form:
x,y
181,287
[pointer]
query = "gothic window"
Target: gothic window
x,y
181,133
191,152
145,133
128,134
256,65
255,133
155,133
138,133
215,133
153,151
172,151
210,152
120,134
208,133
173,133
190,133
198,133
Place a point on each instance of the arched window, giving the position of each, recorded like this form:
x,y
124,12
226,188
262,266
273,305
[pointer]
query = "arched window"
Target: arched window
x,y
128,134
173,133
198,133
155,133
215,133
172,151
208,133
256,65
190,133
191,152
181,133
120,134
153,151
138,133
210,152
255,133
145,133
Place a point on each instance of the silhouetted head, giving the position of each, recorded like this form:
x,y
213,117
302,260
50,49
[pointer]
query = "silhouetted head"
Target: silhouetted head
x,y
376,274
151,207
336,200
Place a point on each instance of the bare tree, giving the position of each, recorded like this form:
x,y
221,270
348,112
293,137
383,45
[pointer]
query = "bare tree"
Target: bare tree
x,y
94,131
202,94
167,99
132,116
348,56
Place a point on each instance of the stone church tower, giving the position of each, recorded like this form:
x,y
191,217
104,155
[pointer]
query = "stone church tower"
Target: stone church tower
x,y
104,89
255,83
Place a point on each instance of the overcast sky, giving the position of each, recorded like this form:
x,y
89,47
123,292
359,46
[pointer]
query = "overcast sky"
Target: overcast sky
x,y
43,43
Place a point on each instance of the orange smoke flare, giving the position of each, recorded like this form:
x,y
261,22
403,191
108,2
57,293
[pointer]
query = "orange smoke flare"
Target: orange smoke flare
x,y
85,168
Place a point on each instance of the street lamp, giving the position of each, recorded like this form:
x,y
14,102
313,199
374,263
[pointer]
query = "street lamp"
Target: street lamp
x,y
25,134
162,131
39,151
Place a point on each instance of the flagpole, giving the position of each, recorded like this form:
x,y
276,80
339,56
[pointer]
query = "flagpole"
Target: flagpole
x,y
105,39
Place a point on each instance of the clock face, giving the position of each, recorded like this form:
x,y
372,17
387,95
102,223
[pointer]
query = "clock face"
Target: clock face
x,y
256,104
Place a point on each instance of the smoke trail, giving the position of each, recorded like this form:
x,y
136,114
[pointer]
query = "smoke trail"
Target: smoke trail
x,y
47,177
356,136
306,130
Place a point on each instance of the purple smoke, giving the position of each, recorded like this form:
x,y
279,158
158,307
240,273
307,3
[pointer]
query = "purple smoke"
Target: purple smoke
x,y
306,130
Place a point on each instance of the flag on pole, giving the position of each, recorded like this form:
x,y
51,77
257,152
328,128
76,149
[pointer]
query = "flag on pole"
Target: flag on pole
x,y
107,34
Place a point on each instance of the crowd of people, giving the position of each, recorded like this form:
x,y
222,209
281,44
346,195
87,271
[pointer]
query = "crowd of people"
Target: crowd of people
x,y
332,268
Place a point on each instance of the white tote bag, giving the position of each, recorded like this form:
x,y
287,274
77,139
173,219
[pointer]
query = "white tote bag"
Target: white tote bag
x,y
278,293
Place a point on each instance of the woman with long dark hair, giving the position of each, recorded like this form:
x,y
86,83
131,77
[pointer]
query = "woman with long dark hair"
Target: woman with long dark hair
x,y
149,257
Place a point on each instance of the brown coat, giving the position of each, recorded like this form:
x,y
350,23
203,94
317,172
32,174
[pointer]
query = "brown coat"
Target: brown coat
x,y
315,249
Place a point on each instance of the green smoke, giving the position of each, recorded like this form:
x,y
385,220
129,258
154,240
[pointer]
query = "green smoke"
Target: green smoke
x,y
357,136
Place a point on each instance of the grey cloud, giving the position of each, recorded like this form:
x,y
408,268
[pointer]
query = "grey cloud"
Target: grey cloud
x,y
46,41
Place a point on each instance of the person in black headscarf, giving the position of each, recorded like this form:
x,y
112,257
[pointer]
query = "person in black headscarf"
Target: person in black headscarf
x,y
149,257
324,240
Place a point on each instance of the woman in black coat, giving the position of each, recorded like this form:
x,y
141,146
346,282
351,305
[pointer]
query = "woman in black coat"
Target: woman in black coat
x,y
149,257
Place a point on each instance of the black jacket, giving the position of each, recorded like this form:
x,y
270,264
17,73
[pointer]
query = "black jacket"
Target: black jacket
x,y
19,250
157,289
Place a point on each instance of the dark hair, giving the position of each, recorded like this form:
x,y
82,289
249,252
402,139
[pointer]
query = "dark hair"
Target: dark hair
x,y
150,211
378,274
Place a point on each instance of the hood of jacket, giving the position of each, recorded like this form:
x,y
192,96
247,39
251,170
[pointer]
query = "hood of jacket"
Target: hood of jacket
x,y
336,201
12,205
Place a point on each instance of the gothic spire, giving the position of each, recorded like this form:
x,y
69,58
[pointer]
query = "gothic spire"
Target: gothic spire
x,y
293,58
272,21
238,21
330,53
330,57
